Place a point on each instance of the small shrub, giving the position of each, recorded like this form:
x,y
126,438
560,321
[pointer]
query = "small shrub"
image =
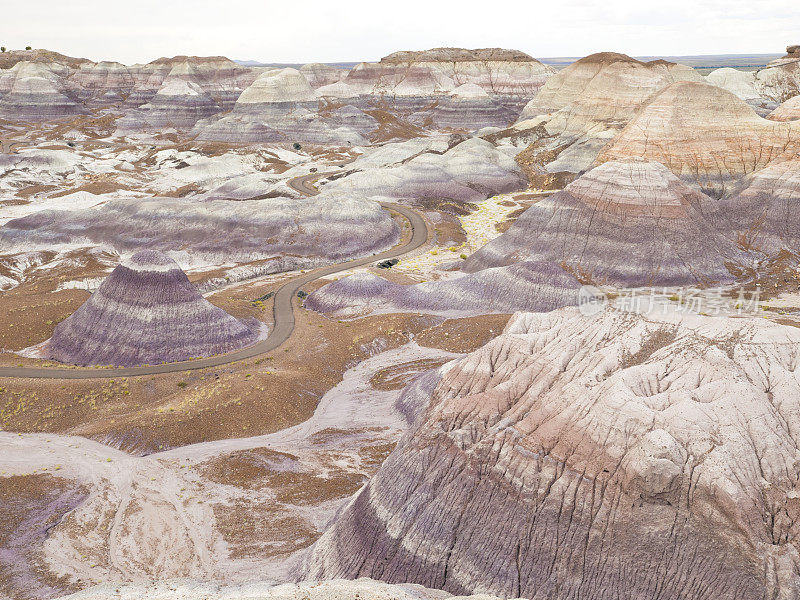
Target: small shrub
x,y
2,48
463,256
182,384
28,48
302,294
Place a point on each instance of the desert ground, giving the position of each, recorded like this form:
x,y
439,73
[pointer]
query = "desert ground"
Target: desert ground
x,y
451,323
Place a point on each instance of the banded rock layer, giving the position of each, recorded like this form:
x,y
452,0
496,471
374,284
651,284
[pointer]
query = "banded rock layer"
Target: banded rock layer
x,y
628,223
788,111
705,135
280,105
273,234
469,107
218,76
496,70
147,312
624,224
616,83
103,82
178,103
764,212
33,92
621,456
579,110
459,170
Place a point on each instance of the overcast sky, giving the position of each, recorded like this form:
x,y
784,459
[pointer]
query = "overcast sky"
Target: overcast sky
x,y
333,31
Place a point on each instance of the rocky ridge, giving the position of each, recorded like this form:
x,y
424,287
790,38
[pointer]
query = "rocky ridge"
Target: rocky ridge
x,y
584,106
568,452
705,135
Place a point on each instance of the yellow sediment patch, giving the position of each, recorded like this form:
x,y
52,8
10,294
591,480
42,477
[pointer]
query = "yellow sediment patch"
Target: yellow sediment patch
x,y
480,227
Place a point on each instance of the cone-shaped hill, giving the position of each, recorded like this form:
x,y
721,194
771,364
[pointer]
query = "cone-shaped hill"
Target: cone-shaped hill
x,y
705,135
147,312
627,223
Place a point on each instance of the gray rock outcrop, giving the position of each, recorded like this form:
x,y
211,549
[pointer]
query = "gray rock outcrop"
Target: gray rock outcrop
x,y
147,312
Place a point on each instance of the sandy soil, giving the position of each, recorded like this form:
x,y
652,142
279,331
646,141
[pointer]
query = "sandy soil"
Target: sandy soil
x,y
257,396
232,509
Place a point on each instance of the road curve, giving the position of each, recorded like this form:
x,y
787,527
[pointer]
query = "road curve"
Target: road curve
x,y
283,310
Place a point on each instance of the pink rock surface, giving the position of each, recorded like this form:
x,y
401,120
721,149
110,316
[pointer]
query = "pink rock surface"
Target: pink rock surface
x,y
620,456
705,135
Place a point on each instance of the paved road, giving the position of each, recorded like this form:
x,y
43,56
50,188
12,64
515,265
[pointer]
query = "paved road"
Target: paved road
x,y
282,310
305,184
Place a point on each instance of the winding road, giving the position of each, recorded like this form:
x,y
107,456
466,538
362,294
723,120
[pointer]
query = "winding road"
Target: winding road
x,y
283,309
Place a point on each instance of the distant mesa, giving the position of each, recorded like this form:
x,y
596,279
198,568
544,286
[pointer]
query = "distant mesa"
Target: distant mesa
x,y
280,105
319,74
440,70
606,58
33,92
458,55
387,100
147,312
9,59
